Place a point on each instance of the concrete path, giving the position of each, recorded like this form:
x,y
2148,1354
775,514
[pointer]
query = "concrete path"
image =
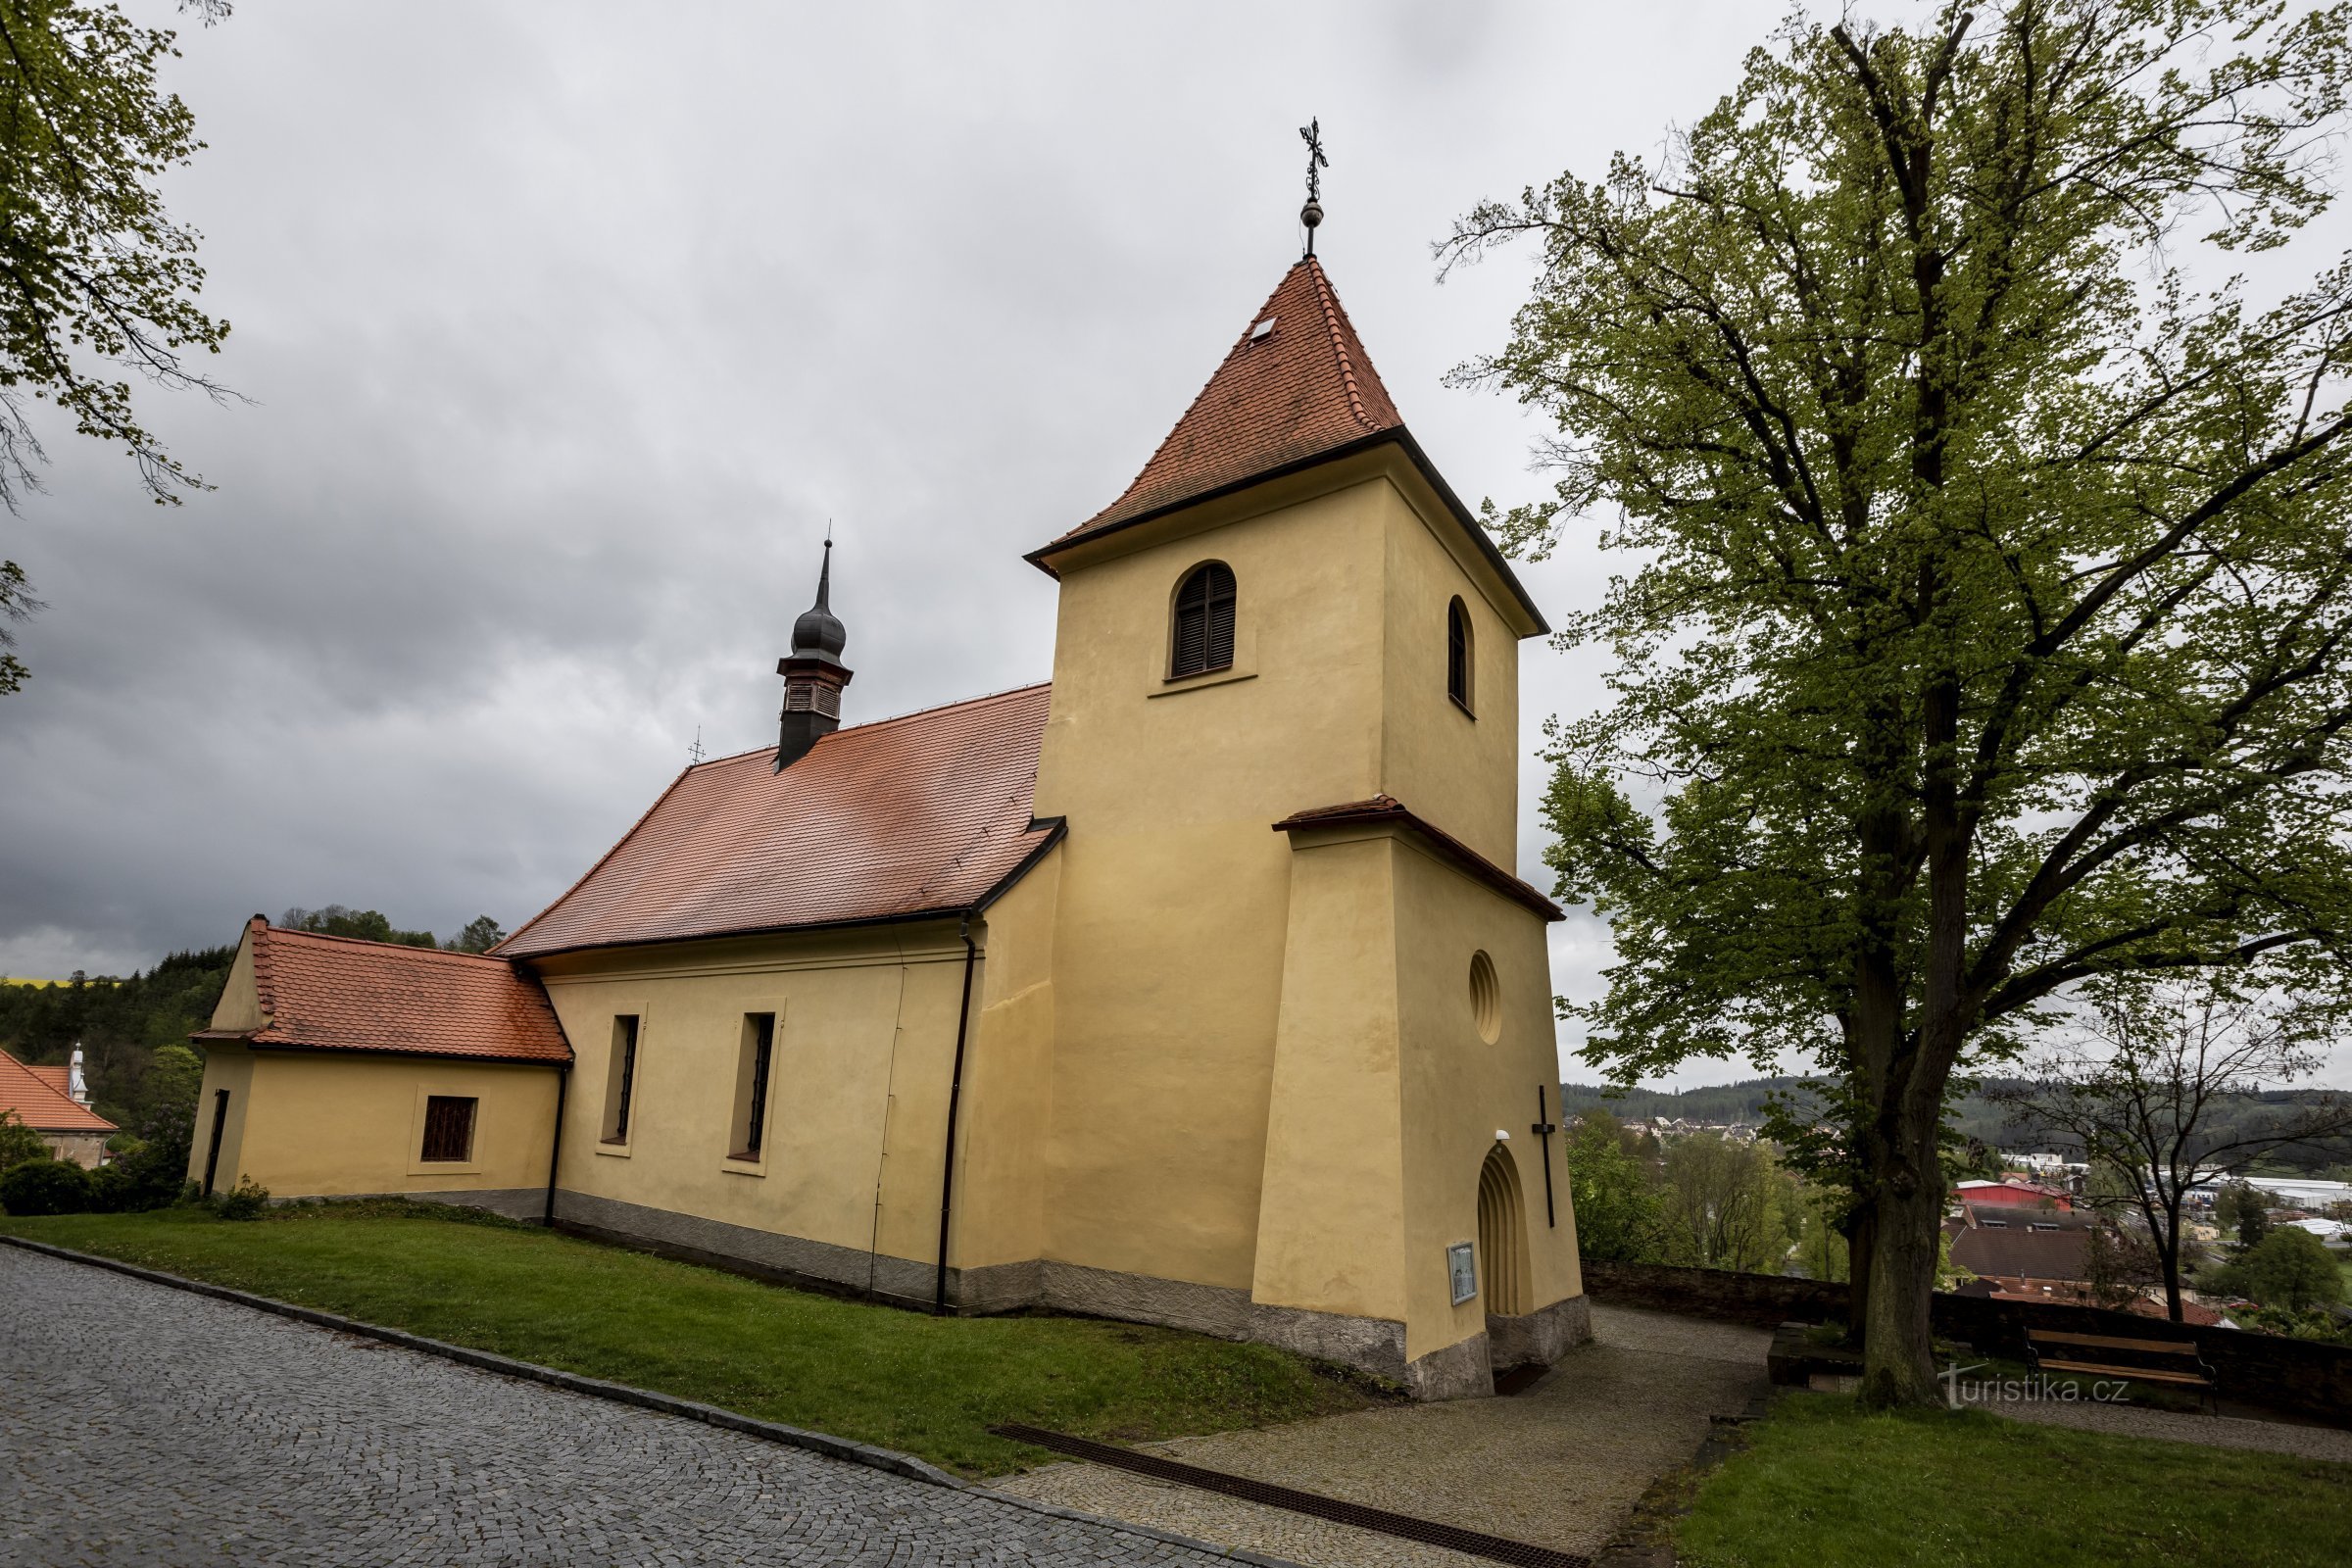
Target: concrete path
x,y
2170,1426
140,1423
1560,1465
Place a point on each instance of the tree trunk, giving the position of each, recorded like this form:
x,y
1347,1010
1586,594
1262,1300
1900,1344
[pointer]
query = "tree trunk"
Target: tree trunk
x,y
1861,1248
2167,1237
1899,1361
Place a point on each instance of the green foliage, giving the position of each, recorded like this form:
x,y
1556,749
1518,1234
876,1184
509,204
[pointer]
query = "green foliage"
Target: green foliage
x,y
1822,1485
1987,622
245,1200
18,1142
2289,1268
1728,1204
45,1187
118,1024
2325,1327
923,1385
341,921
148,1176
480,934
1612,1181
102,282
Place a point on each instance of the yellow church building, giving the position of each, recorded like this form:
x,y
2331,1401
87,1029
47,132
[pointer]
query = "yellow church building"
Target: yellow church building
x,y
1194,987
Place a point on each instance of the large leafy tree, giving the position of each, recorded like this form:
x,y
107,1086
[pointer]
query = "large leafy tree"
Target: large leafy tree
x,y
98,282
1983,627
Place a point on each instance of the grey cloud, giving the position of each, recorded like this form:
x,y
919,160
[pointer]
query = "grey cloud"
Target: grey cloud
x,y
569,328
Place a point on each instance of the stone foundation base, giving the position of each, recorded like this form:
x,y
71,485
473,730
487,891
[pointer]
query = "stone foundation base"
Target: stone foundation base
x,y
1542,1337
1375,1345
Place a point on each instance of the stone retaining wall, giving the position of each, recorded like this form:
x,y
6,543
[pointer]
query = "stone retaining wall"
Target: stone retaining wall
x,y
2302,1375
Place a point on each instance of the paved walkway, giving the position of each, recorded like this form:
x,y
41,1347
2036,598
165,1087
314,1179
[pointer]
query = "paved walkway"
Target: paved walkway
x,y
140,1423
1560,1465
2171,1426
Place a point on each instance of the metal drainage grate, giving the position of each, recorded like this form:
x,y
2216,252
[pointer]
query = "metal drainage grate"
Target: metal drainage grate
x,y
1404,1526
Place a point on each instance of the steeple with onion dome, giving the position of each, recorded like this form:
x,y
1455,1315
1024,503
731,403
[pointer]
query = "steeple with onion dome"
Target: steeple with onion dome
x,y
813,673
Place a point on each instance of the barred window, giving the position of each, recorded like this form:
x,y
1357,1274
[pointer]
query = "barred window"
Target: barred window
x,y
449,1128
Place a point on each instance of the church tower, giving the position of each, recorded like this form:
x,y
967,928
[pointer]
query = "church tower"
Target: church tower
x,y
813,675
1305,1060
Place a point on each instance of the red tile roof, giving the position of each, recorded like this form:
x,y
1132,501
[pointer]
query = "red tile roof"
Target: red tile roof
x,y
1388,809
923,814
1302,389
42,1103
59,1078
324,993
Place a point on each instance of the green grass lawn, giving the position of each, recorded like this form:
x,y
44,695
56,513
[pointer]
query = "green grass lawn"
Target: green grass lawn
x,y
1822,1485
926,1386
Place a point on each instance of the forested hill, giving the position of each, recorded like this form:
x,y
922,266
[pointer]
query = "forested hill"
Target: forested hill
x,y
1719,1105
1975,1116
117,1023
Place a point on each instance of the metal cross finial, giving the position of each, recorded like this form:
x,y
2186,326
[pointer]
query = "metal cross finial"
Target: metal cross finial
x,y
1312,214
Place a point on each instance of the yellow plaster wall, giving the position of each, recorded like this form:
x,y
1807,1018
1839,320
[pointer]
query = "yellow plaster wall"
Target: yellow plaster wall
x,y
323,1124
1458,1089
1008,1079
1331,1217
1173,894
240,1006
1456,769
866,1031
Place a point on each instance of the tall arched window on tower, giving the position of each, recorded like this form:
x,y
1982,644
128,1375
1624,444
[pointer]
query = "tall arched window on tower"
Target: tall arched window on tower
x,y
1458,666
1203,636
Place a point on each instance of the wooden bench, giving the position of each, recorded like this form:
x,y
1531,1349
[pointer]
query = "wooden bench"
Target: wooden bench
x,y
2169,1363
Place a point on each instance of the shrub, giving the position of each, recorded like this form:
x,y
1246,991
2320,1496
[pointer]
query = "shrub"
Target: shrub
x,y
18,1142
45,1187
245,1200
2291,1269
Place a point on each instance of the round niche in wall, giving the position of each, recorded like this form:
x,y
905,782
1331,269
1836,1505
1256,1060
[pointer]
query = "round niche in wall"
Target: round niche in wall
x,y
1486,997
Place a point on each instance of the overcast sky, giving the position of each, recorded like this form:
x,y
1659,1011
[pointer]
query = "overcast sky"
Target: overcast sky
x,y
568,327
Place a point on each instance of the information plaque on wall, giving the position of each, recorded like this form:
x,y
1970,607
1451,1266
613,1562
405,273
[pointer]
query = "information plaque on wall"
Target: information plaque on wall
x,y
1462,1263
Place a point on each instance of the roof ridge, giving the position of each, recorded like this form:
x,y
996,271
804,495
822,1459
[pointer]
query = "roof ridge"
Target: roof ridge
x,y
370,942
1332,316
878,723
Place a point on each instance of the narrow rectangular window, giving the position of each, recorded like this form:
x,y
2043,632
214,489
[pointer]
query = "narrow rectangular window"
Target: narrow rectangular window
x,y
448,1128
750,1085
621,1078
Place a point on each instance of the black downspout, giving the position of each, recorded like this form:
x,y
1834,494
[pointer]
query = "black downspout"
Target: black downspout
x,y
947,1175
556,1144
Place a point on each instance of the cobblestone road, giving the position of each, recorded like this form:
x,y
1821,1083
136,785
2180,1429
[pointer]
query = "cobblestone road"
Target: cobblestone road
x,y
140,1423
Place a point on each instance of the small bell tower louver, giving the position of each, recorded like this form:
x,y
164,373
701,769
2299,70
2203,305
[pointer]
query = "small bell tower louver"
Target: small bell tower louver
x,y
813,675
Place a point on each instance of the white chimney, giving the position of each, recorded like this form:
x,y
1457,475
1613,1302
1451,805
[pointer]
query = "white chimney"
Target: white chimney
x,y
76,1084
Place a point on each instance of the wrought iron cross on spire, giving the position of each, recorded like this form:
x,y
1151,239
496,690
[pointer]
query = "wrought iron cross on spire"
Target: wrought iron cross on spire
x,y
1312,214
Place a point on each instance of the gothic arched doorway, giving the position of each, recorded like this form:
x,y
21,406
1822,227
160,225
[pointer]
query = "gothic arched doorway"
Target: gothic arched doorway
x,y
1501,1235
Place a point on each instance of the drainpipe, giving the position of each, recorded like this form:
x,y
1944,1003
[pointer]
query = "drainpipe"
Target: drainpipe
x,y
947,1175
555,1144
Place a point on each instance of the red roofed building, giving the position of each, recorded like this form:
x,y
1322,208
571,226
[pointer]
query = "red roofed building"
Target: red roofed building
x,y
43,1099
1196,987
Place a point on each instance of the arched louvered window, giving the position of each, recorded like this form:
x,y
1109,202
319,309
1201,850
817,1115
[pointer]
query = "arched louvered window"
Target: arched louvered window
x,y
1457,653
1203,631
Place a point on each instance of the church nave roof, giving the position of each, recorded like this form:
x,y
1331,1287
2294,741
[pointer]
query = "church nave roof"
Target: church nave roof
x,y
924,814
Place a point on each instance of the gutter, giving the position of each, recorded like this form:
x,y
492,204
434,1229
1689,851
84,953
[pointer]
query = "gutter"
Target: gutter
x,y
947,1174
1058,826
554,1149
